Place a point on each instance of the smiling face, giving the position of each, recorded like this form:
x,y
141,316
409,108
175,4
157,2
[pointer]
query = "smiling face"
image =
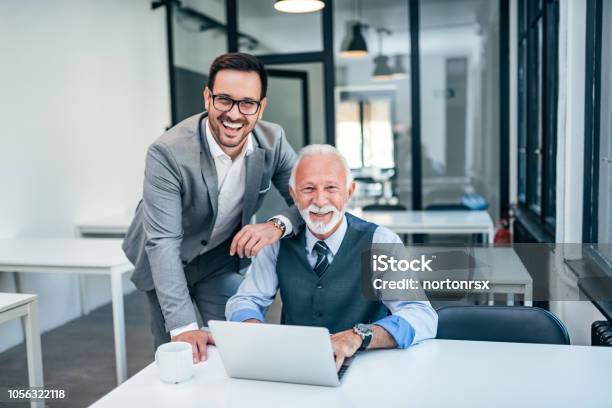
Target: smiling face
x,y
321,193
231,128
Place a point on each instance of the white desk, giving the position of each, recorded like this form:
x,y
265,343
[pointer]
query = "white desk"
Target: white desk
x,y
112,226
14,306
86,256
432,222
505,272
401,222
435,373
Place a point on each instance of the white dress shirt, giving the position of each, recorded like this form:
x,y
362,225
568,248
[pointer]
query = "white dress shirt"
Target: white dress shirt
x,y
231,183
231,176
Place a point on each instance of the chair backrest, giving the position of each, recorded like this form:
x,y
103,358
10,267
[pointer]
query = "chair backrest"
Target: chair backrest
x,y
384,207
515,324
447,207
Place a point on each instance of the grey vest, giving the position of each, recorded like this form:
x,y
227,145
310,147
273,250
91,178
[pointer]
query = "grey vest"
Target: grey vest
x,y
334,300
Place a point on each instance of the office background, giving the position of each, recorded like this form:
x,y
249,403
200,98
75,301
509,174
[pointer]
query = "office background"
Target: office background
x,y
87,85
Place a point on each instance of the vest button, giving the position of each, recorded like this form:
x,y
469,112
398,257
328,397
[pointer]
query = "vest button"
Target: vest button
x,y
319,314
203,242
319,286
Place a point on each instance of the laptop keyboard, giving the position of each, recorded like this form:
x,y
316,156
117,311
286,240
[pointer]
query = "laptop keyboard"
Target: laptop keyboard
x,y
344,367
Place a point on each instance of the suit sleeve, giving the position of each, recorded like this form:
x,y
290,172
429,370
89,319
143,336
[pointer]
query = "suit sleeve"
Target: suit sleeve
x,y
286,160
162,222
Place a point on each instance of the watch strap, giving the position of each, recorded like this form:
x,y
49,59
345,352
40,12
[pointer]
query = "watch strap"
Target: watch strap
x,y
278,223
366,335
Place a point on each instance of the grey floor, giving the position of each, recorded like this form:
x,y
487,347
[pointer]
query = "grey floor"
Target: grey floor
x,y
79,356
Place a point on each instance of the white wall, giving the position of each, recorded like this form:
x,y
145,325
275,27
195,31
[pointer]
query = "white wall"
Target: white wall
x,y
84,91
433,106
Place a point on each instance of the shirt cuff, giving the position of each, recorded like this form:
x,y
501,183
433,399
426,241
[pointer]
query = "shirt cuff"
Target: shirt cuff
x,y
183,329
288,225
399,329
246,314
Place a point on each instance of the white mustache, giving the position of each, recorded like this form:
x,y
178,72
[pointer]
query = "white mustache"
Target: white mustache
x,y
322,210
320,227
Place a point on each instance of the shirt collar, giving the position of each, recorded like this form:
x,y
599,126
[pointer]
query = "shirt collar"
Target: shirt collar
x,y
215,149
333,242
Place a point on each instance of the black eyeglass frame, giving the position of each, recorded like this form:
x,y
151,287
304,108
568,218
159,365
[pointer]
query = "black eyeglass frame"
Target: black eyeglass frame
x,y
235,102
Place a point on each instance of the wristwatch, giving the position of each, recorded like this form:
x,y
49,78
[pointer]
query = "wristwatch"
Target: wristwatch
x,y
279,224
365,332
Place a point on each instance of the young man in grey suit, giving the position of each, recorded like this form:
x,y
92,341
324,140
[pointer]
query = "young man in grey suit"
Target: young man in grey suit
x,y
204,180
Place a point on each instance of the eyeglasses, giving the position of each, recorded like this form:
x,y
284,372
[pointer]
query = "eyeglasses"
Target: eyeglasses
x,y
225,104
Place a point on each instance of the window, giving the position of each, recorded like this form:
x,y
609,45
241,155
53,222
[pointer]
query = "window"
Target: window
x,y
537,99
597,229
365,129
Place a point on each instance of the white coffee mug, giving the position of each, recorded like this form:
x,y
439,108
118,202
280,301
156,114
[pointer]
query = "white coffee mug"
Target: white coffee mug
x,y
175,362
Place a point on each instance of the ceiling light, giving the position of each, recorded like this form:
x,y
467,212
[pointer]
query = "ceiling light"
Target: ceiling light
x,y
399,72
299,6
382,70
354,42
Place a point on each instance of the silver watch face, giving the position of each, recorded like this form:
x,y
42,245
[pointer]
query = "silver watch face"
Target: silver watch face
x,y
364,329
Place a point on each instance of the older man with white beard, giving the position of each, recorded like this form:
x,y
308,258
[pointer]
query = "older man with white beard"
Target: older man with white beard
x,y
318,271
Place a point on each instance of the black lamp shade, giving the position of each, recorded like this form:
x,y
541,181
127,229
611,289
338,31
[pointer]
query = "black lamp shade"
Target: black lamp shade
x,y
382,70
399,71
356,45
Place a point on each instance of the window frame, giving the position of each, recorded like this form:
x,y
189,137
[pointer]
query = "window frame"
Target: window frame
x,y
594,44
537,109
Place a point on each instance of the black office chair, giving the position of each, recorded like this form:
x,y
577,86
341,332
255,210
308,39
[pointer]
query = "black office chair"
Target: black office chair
x,y
447,207
516,324
384,207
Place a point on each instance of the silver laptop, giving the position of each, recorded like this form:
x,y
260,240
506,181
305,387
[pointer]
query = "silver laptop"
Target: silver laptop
x,y
272,352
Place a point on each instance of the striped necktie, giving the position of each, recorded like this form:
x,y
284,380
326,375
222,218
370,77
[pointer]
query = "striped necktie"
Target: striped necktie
x,y
322,262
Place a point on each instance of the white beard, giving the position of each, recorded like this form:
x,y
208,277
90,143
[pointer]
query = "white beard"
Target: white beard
x,y
320,227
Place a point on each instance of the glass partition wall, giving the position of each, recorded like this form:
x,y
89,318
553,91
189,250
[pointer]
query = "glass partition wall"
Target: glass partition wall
x,y
198,32
459,48
373,98
419,129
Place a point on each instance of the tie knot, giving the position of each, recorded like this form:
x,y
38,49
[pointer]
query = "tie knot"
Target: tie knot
x,y
321,248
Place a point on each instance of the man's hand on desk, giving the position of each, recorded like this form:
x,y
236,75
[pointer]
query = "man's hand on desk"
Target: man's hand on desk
x,y
198,340
345,344
253,237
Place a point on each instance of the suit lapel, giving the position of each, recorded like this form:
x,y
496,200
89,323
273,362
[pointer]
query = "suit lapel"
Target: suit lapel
x,y
254,173
207,163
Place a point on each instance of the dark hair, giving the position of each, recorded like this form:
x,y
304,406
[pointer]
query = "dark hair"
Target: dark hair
x,y
238,61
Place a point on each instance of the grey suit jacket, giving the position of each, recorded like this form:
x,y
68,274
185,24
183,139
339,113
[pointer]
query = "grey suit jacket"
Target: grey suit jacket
x,y
177,213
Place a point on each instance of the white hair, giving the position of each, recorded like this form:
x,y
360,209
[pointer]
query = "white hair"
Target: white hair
x,y
320,150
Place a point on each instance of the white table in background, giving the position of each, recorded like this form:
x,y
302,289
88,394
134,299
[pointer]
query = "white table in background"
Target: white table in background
x,y
25,307
432,222
114,226
79,256
510,278
505,272
435,373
